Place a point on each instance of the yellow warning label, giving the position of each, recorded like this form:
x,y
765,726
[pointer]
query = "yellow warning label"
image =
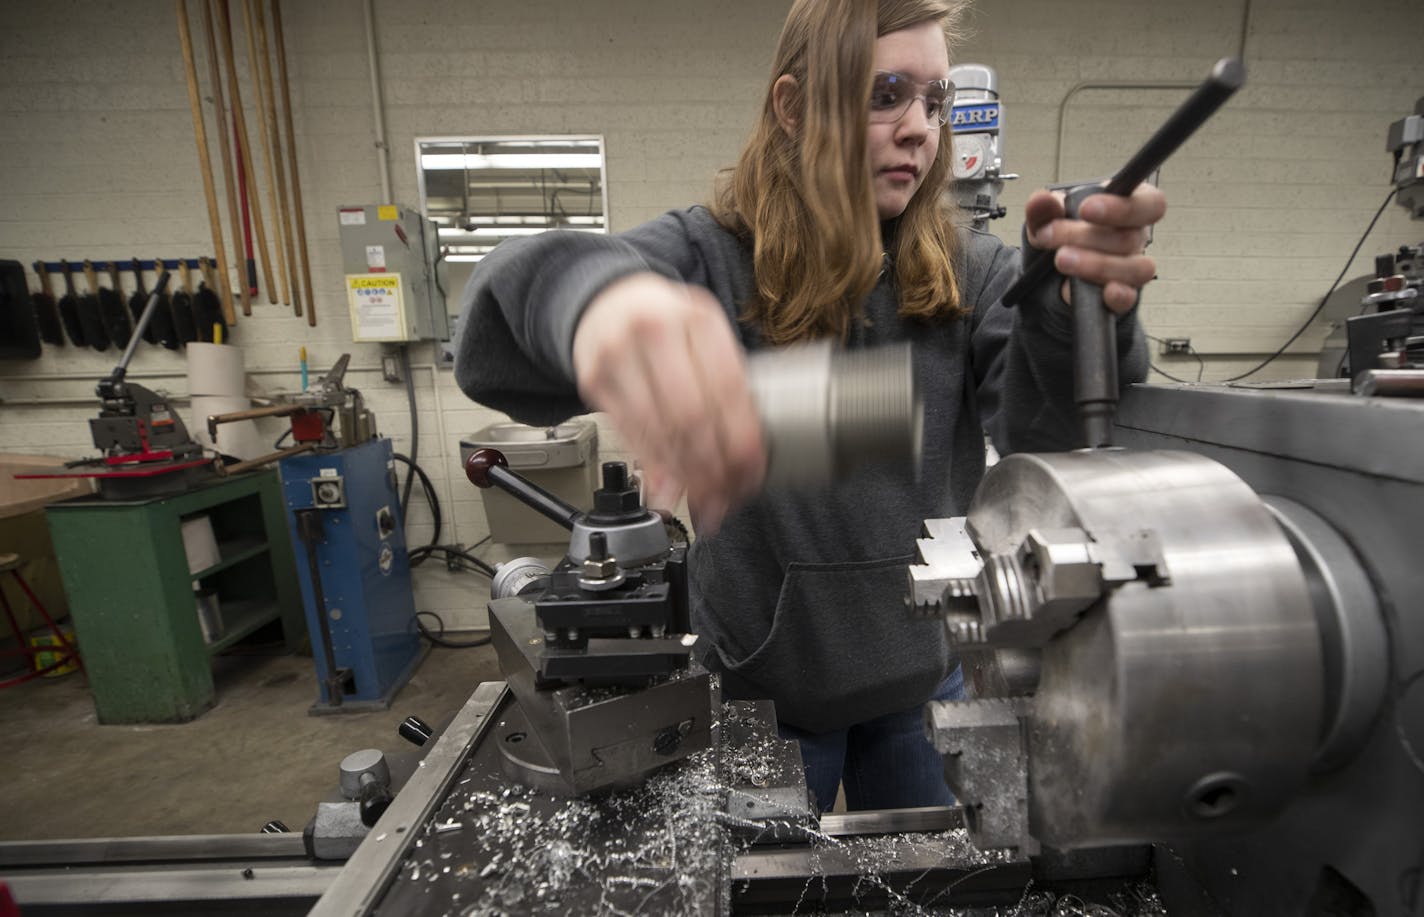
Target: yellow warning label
x,y
388,212
367,282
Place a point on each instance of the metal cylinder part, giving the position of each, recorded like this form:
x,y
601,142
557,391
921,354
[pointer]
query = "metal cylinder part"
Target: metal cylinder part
x,y
1175,707
359,764
517,576
825,411
1354,644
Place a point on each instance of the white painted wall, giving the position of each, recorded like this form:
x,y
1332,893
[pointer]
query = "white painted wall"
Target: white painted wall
x,y
97,159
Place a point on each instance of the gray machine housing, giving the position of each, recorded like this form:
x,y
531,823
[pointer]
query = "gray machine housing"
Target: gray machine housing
x,y
1351,840
395,239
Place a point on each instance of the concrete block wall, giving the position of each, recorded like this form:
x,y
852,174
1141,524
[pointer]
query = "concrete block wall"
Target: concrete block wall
x,y
98,161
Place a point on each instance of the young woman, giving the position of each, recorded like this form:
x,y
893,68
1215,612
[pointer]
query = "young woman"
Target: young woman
x,y
832,224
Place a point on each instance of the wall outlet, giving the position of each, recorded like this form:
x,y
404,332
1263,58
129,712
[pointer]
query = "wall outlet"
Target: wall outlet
x,y
391,367
1174,346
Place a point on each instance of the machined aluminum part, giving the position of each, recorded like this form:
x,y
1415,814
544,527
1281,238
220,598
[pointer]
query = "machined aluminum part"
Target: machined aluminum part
x,y
517,576
825,411
1175,706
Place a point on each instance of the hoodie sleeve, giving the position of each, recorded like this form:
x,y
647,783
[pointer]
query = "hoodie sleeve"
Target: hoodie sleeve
x,y
523,302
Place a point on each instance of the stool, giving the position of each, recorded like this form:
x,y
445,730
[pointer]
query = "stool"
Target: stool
x,y
10,563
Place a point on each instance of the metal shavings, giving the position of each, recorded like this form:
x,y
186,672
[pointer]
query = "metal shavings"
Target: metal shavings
x,y
666,848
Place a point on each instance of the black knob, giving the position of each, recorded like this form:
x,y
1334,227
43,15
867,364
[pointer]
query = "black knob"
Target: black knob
x,y
415,730
375,799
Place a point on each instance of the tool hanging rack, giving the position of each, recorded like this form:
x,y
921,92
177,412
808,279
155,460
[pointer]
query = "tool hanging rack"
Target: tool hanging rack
x,y
125,264
188,315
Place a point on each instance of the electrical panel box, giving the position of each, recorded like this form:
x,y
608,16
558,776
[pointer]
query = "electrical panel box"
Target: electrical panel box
x,y
389,253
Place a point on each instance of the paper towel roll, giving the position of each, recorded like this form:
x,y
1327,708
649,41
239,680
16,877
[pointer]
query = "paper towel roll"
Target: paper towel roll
x,y
215,369
240,439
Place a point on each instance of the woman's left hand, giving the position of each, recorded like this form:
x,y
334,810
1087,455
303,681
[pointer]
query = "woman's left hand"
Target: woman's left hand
x,y
1104,245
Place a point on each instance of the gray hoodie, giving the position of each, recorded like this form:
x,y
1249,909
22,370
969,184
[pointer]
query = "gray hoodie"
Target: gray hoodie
x,y
800,596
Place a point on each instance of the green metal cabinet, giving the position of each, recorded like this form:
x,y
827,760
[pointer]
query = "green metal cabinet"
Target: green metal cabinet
x,y
131,595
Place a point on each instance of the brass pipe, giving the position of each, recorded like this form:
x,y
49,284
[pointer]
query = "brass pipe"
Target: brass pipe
x,y
276,410
239,467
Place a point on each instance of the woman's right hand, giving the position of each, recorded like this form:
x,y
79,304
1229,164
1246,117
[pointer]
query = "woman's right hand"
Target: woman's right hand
x,y
661,360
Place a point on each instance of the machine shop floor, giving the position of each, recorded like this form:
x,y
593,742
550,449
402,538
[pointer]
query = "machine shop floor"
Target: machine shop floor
x,y
255,756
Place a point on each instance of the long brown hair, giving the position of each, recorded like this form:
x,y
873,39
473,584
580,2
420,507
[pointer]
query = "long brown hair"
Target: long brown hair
x,y
804,199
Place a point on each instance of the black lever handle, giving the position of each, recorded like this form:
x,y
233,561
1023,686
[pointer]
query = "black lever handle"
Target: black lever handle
x,y
376,797
1226,77
489,468
415,730
1094,349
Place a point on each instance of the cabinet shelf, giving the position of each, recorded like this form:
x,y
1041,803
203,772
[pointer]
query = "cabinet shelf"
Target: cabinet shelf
x,y
232,553
240,619
134,608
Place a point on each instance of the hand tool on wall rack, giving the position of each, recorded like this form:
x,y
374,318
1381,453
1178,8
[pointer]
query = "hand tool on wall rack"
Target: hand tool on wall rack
x,y
19,328
139,300
273,142
69,308
183,306
301,228
225,149
111,307
252,290
46,309
245,148
256,65
207,308
91,313
162,322
200,134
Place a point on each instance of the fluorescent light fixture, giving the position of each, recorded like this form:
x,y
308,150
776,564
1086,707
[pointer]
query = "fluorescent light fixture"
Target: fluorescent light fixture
x,y
450,161
470,258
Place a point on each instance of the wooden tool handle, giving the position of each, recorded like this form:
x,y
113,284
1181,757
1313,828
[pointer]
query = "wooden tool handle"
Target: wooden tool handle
x,y
225,151
301,228
200,133
68,277
138,275
185,272
43,275
91,276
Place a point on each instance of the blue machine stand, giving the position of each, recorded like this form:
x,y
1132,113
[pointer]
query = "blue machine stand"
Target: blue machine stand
x,y
354,573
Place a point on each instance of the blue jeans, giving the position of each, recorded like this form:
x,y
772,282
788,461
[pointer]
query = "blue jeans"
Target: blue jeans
x,y
885,763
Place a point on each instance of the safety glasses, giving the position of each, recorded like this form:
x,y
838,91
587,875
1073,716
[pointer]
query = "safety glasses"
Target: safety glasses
x,y
892,93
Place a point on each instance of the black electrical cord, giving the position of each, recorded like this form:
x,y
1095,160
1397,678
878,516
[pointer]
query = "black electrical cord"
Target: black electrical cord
x,y
1326,298
460,557
414,427
438,638
1201,364
430,496
435,270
